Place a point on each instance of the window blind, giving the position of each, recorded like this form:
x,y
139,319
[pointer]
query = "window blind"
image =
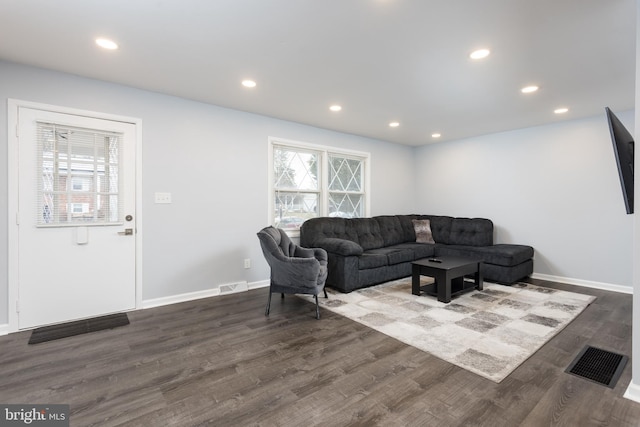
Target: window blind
x,y
78,176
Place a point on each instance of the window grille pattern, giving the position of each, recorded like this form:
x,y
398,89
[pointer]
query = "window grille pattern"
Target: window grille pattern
x,y
78,176
346,194
309,182
296,186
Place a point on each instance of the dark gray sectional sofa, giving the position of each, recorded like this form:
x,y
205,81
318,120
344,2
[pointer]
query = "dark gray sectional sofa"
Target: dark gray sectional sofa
x,y
367,251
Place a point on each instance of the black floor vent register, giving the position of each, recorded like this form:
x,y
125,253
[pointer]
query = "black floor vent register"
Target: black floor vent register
x,y
50,333
597,365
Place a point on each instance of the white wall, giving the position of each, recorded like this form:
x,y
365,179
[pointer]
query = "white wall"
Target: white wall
x,y
214,163
633,391
554,187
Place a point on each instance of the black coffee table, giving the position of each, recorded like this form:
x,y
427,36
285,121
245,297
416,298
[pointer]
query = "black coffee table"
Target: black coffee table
x,y
448,272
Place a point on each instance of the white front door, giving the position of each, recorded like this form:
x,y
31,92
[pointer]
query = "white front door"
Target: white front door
x,y
76,217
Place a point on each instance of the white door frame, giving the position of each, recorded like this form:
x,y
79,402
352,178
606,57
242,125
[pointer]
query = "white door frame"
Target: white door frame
x,y
12,171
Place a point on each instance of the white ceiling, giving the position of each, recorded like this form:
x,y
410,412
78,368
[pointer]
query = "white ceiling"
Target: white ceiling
x,y
382,60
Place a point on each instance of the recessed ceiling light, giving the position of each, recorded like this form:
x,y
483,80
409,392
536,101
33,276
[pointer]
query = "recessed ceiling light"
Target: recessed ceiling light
x,y
529,89
561,110
248,83
335,108
394,124
106,43
479,54
435,135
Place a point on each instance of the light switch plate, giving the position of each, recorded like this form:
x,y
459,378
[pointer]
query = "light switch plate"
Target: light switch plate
x,y
163,197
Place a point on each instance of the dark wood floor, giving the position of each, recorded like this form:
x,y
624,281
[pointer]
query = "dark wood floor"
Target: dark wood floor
x,y
220,361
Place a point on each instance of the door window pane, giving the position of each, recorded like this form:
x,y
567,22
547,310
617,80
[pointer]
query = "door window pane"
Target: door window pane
x,y
77,176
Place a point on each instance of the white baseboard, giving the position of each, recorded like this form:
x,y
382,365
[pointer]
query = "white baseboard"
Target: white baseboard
x,y
190,296
175,299
633,392
4,329
586,283
260,284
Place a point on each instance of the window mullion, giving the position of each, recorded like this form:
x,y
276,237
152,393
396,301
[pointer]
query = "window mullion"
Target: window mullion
x,y
68,186
94,178
324,185
56,175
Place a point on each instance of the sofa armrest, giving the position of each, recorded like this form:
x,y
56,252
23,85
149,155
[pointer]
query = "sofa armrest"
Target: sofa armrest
x,y
339,246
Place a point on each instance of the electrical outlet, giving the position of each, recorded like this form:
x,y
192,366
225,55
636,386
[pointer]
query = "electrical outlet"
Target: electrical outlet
x,y
247,263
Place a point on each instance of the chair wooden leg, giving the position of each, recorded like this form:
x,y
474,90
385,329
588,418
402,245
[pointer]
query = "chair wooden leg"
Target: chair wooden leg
x,y
266,312
317,308
325,293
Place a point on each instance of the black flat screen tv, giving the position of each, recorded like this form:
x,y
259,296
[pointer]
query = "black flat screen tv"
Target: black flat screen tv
x,y
623,149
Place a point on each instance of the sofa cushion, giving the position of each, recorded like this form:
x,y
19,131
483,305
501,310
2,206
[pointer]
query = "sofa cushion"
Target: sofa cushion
x,y
367,232
370,260
420,250
440,227
408,232
509,254
507,275
395,254
471,232
504,254
422,229
339,246
391,229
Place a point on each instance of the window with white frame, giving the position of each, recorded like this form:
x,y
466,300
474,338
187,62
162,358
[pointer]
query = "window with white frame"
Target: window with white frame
x,y
308,181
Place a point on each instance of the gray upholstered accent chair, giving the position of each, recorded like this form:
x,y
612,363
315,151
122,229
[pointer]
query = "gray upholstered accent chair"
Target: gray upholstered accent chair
x,y
294,269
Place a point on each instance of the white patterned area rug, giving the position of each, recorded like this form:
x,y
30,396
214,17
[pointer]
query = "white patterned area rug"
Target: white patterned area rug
x,y
489,332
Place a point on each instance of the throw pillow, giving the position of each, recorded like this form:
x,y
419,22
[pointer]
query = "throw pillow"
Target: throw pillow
x,y
422,228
